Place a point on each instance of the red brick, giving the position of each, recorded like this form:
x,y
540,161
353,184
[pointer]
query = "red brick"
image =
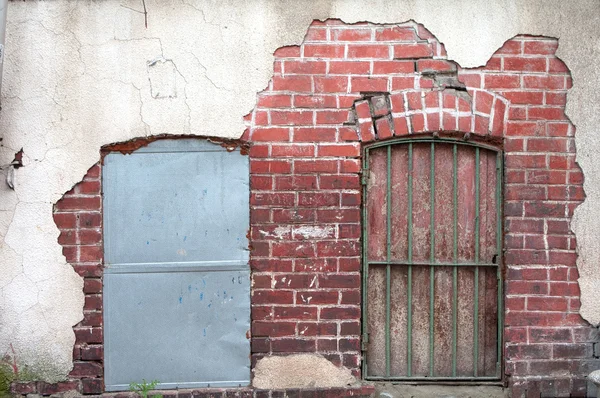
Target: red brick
x,y
341,313
91,319
86,369
324,50
522,129
88,187
270,166
291,117
501,81
315,101
293,249
544,82
546,113
317,328
391,67
340,150
274,101
294,150
292,83
524,97
384,127
331,84
92,386
556,99
359,84
305,67
296,312
435,65
533,161
287,51
550,335
92,353
546,145
293,345
368,51
89,236
334,116
339,281
90,253
350,67
403,83
547,304
272,199
78,203
345,34
510,47
295,183
395,33
544,47
470,79
315,166
338,248
261,281
65,220
273,329
556,65
270,134
262,296
522,64
420,50
339,182
314,134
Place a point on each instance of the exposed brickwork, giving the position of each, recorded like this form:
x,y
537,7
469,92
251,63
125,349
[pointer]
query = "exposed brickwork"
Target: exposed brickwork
x,y
78,215
351,84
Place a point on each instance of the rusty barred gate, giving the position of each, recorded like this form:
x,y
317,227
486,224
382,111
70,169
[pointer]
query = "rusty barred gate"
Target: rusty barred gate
x,y
432,239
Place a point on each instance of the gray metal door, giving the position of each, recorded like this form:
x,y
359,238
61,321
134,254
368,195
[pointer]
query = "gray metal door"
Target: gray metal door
x,y
176,278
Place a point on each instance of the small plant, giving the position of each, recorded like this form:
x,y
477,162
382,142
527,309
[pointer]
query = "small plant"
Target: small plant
x,y
144,387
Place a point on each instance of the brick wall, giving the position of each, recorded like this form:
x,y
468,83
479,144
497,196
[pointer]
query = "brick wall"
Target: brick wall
x,y
351,84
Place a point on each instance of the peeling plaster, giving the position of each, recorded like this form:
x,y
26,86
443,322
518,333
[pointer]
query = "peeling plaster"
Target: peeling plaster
x,y
299,371
76,78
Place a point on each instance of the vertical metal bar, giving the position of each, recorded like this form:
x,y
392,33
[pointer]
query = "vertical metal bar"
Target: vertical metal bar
x,y
388,276
409,258
499,229
455,257
431,258
476,273
365,276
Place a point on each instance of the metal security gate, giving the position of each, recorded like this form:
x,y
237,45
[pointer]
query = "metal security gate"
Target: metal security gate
x,y
176,277
432,239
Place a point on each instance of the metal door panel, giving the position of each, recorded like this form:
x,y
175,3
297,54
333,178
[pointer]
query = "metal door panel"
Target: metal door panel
x,y
176,279
170,202
185,329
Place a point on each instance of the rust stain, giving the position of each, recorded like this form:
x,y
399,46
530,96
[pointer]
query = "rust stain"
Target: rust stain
x,y
128,147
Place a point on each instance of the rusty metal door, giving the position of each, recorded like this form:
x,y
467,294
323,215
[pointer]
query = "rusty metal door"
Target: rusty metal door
x,y
176,277
432,290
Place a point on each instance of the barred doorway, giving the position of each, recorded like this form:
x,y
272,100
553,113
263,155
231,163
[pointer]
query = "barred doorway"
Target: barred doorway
x,y
432,239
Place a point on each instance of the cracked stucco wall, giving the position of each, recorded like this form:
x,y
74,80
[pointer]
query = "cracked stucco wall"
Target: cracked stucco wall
x,y
77,77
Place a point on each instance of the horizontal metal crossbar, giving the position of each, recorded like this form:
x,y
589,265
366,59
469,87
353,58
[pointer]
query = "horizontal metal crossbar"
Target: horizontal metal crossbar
x,y
402,263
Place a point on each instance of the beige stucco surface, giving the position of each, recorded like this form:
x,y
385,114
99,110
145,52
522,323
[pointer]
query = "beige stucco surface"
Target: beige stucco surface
x,y
80,74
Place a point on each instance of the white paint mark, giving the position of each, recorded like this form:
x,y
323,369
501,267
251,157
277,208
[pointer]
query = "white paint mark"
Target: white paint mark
x,y
311,231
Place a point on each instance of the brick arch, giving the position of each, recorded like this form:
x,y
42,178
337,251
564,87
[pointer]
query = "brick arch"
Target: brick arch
x,y
470,112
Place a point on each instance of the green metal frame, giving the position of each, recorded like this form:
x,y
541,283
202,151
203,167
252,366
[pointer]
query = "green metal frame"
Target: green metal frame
x,y
432,264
